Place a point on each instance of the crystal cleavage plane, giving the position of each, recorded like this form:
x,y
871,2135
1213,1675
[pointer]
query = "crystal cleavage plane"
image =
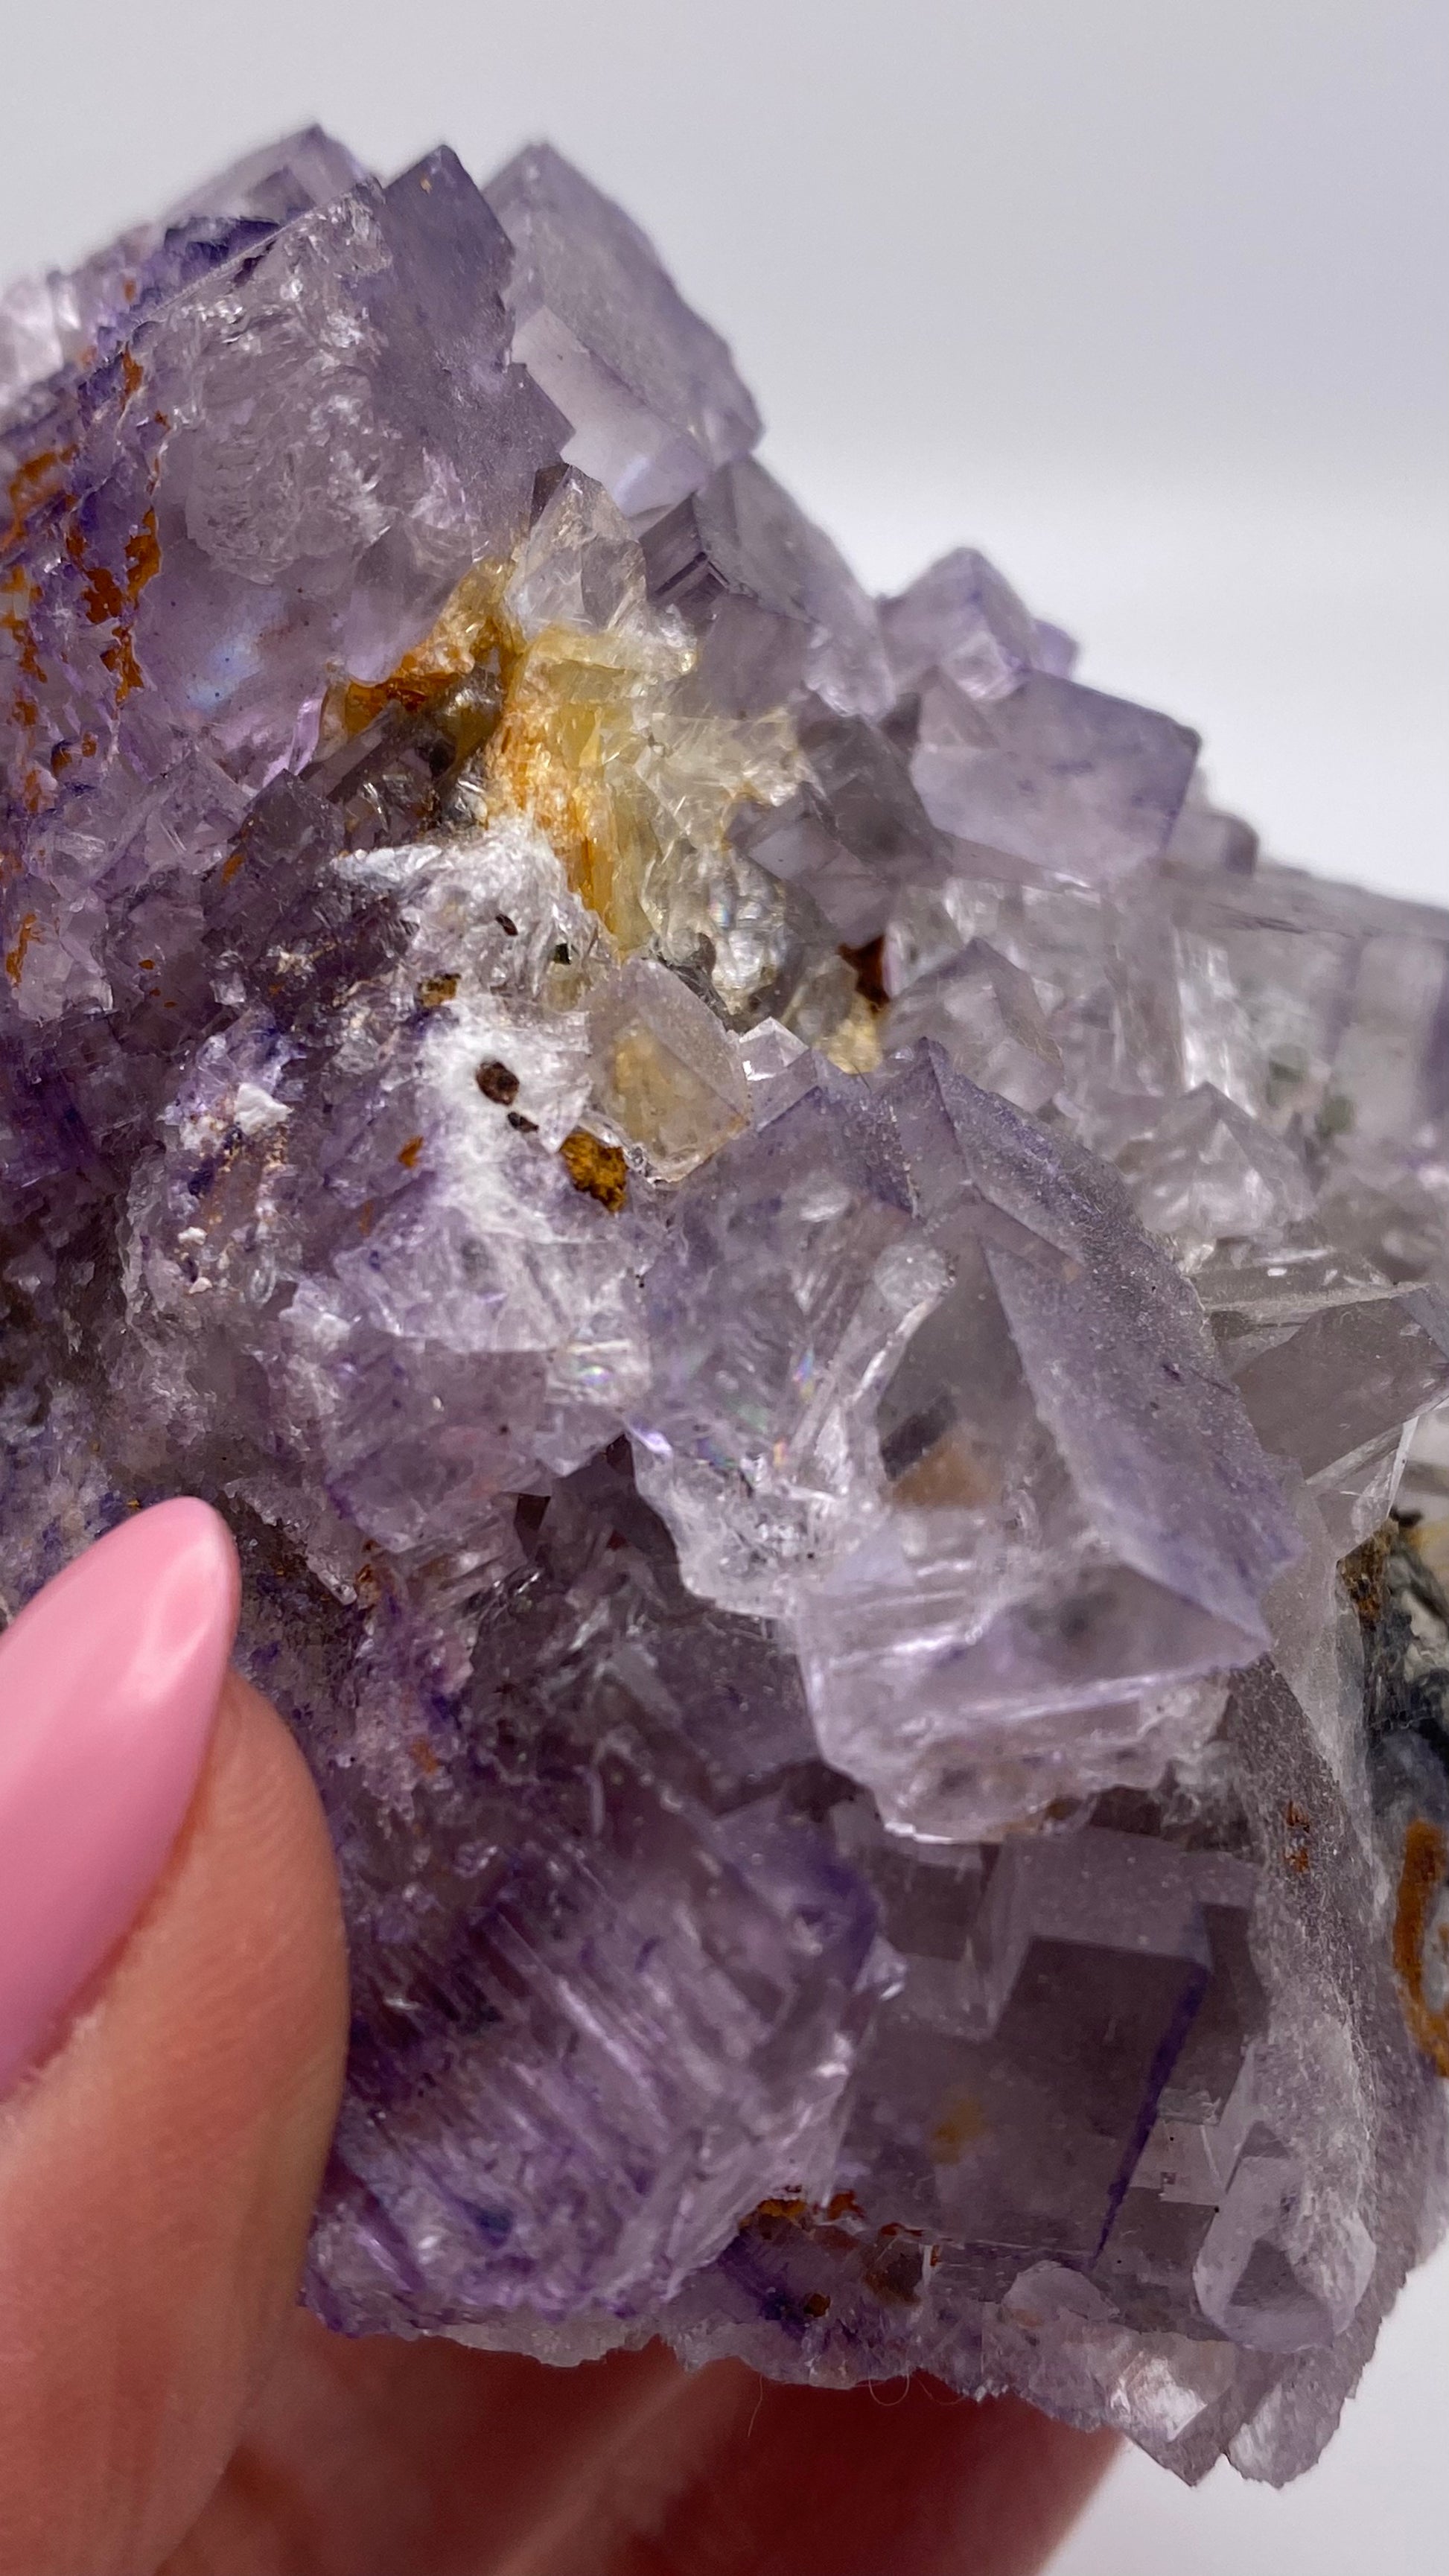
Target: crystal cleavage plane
x,y
818,1304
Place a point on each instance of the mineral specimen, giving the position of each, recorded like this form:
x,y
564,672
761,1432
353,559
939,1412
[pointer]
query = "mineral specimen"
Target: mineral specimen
x,y
808,1289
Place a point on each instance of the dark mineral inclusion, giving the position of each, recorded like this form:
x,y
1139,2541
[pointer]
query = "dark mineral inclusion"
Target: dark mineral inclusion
x,y
794,1268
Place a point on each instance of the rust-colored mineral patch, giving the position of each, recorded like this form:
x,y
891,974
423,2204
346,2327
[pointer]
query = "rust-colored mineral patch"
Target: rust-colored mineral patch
x,y
1363,1577
595,1167
1426,1862
16,955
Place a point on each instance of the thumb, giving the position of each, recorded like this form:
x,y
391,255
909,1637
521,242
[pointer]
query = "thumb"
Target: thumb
x,y
172,2025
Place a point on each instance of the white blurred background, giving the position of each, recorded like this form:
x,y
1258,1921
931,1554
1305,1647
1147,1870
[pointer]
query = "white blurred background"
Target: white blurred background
x,y
1150,302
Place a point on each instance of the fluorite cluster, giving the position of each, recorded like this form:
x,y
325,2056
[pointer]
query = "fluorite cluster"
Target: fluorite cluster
x,y
807,1287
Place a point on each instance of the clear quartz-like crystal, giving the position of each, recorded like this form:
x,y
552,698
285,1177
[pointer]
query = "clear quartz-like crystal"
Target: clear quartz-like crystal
x,y
665,1073
986,1015
820,1305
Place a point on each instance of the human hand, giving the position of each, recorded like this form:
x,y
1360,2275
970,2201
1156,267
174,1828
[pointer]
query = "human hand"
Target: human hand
x,y
173,2019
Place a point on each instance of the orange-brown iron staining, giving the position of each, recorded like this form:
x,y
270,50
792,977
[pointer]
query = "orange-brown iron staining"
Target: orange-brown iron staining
x,y
600,1170
31,488
1426,1864
15,956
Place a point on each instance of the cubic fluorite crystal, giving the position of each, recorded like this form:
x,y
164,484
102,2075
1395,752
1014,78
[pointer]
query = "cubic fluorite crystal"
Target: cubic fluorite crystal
x,y
808,1289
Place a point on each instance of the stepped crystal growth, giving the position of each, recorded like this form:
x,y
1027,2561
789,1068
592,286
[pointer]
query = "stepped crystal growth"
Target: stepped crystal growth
x,y
795,1269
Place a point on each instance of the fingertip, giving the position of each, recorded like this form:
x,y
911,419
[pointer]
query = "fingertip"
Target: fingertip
x,y
109,1682
158,2170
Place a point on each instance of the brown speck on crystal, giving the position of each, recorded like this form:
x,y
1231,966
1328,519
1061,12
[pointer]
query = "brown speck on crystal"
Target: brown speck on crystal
x,y
1296,1852
435,990
408,1153
497,1082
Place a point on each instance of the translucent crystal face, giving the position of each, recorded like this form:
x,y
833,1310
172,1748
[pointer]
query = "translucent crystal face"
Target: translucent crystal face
x,y
808,1288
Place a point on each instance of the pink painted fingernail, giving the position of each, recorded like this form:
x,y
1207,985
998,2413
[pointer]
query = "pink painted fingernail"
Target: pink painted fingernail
x,y
108,1686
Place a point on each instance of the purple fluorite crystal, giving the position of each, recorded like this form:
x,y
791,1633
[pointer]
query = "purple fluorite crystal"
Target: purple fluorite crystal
x,y
808,1291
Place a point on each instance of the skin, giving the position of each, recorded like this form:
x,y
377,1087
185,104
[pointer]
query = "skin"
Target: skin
x,y
164,2404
